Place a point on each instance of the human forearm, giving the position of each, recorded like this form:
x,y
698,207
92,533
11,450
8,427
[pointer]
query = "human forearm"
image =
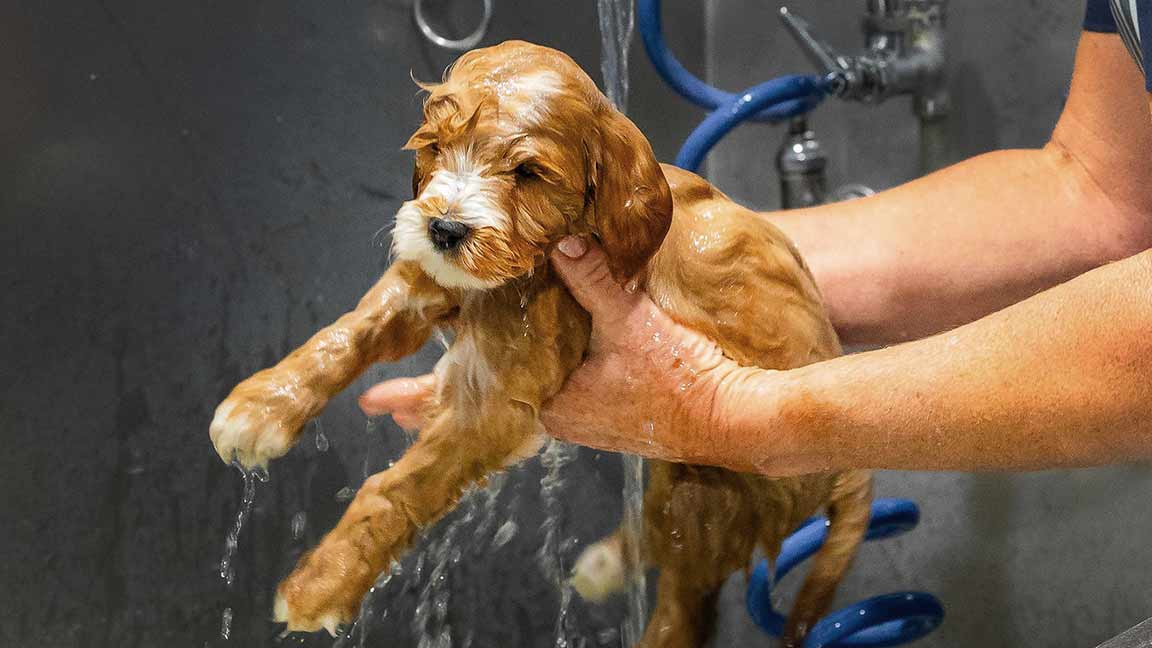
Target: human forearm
x,y
1061,379
959,244
966,241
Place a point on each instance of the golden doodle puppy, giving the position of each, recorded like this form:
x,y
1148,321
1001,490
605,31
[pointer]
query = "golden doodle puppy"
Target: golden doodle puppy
x,y
518,148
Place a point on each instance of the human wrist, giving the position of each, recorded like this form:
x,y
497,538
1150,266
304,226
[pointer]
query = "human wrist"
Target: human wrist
x,y
778,425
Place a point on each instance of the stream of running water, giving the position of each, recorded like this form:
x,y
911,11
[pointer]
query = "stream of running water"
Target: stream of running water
x,y
616,24
232,541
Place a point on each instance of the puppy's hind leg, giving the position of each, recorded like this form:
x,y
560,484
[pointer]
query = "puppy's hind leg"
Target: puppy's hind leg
x,y
450,455
602,569
849,508
685,612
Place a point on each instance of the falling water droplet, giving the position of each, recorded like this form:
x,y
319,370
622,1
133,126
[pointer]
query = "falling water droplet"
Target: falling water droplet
x,y
504,534
345,494
632,528
631,286
226,624
232,541
299,521
321,441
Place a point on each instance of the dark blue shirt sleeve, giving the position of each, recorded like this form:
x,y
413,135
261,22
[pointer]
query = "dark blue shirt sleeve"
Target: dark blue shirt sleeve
x,y
1144,20
1098,17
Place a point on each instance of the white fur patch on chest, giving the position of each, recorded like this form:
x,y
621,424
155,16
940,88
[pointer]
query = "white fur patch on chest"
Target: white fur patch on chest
x,y
464,360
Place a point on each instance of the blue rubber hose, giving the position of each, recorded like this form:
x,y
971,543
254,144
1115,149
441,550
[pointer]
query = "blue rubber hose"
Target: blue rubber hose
x,y
778,99
782,98
650,26
888,620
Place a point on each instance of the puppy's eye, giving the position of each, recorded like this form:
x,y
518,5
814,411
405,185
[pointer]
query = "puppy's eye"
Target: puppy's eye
x,y
526,171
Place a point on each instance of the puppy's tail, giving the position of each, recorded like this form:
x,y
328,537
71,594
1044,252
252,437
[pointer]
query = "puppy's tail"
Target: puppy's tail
x,y
849,508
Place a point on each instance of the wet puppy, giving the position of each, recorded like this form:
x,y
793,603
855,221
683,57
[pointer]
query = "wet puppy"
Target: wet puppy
x,y
518,148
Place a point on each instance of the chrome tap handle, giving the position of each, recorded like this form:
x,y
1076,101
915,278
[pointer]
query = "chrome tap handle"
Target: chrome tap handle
x,y
822,55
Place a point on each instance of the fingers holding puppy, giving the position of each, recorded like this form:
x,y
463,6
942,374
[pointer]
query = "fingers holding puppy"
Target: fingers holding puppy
x,y
406,399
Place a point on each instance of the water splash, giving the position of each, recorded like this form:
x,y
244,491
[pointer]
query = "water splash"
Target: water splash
x,y
362,624
299,522
616,22
321,440
226,624
633,529
232,541
504,534
556,456
431,569
430,621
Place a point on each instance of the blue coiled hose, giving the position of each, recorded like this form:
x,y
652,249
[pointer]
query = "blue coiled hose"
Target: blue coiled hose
x,y
773,101
888,620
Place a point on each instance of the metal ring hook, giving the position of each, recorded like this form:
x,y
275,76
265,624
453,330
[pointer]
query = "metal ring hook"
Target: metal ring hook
x,y
460,45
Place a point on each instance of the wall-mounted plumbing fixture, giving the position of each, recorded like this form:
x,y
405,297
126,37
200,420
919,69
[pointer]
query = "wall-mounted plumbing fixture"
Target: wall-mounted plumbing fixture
x,y
903,55
800,165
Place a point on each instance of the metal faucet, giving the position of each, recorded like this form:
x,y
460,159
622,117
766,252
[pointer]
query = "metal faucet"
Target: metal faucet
x,y
800,164
903,55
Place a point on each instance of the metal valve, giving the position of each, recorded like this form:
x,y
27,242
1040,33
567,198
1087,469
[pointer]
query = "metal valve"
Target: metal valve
x,y
904,54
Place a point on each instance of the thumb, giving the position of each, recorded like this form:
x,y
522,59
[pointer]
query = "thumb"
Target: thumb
x,y
583,267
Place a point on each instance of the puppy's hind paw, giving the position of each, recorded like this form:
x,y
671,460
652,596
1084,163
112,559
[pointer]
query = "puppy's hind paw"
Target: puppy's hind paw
x,y
599,571
282,613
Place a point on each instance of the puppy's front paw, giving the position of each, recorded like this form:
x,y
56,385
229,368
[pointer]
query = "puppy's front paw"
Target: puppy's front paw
x,y
262,418
325,589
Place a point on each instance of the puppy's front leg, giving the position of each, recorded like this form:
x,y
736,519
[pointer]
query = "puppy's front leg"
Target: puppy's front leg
x,y
264,415
452,453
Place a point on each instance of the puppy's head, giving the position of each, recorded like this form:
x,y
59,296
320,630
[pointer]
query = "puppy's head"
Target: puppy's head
x,y
519,148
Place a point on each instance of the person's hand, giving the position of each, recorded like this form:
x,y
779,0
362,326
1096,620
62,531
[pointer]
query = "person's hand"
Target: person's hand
x,y
648,386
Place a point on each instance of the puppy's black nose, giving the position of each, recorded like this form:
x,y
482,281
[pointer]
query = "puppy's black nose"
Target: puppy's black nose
x,y
445,234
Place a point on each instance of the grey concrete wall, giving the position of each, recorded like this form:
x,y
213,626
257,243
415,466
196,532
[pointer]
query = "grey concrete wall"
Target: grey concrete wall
x,y
1056,558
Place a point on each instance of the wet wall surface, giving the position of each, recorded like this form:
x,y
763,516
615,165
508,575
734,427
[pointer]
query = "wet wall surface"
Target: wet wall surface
x,y
187,191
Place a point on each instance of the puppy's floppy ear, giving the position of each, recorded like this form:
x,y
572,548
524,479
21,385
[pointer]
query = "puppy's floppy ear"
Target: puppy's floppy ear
x,y
632,205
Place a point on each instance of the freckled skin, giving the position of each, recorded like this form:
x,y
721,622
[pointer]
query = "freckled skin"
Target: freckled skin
x,y
710,264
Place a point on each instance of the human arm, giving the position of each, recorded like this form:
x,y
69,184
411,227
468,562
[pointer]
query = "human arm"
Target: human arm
x,y
1062,379
968,240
